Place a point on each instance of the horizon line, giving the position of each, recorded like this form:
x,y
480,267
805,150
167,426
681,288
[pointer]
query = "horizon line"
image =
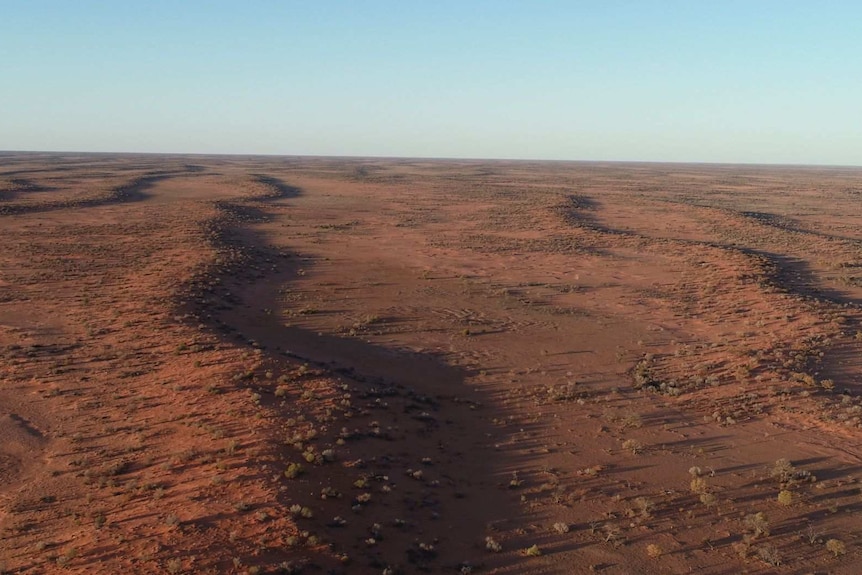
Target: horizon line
x,y
433,158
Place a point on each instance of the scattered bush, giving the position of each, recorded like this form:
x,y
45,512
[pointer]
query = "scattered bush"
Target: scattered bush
x,y
708,499
836,547
769,554
782,470
757,524
613,535
293,471
561,528
532,551
645,506
813,535
633,445
699,485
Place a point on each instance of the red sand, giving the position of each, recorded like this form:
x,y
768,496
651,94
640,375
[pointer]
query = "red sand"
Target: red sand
x,y
262,365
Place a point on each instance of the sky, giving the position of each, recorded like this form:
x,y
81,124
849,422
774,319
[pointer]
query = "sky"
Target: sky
x,y
753,81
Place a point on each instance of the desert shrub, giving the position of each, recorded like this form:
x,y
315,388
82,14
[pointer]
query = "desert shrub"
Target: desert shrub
x,y
769,554
612,535
329,492
642,375
293,470
699,485
785,497
532,551
645,506
708,499
782,470
836,547
757,524
561,528
785,472
654,550
491,544
633,445
813,535
361,483
631,420
563,392
593,471
67,556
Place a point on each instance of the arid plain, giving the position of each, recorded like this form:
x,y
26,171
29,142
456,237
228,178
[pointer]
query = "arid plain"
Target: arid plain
x,y
316,365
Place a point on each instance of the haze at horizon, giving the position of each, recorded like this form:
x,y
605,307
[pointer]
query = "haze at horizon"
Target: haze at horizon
x,y
752,82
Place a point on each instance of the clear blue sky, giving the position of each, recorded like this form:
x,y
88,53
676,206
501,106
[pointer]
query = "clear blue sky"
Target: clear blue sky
x,y
688,80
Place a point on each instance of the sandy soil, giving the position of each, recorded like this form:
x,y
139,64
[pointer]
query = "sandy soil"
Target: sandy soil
x,y
309,365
